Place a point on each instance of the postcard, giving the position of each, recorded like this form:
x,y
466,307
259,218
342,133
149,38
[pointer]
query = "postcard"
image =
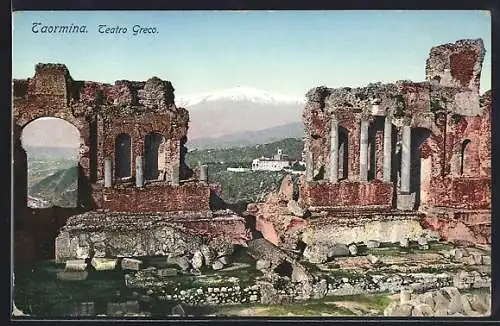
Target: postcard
x,y
251,163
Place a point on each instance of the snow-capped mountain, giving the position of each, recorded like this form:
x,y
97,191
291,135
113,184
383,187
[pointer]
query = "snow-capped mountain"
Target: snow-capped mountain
x,y
239,93
239,109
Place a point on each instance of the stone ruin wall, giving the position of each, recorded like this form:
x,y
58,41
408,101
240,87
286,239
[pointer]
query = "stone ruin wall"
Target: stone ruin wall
x,y
447,106
443,115
101,112
189,197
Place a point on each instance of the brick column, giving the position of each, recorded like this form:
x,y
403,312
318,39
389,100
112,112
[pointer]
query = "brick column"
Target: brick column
x,y
334,150
405,160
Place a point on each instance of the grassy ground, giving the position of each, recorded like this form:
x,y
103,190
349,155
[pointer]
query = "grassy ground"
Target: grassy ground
x,y
329,306
413,249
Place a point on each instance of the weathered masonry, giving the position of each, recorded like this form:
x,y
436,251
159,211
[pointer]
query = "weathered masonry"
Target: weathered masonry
x,y
131,157
413,146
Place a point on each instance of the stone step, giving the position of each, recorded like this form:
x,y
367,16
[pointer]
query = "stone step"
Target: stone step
x,y
104,264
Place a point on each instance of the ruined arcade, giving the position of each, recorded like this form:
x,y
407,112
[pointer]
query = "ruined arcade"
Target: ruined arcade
x,y
387,162
396,196
131,162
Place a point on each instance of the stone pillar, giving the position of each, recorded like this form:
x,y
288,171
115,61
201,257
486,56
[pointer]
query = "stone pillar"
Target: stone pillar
x,y
204,173
405,160
107,172
334,151
363,152
175,175
309,166
139,172
387,149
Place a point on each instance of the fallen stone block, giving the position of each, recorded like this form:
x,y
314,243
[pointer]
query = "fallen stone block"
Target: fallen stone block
x,y
224,260
353,249
131,264
397,309
217,265
72,276
422,310
458,253
338,250
262,264
316,254
181,261
405,295
466,307
208,254
481,303
478,259
103,264
370,244
422,241
197,260
373,259
427,299
76,265
300,274
468,260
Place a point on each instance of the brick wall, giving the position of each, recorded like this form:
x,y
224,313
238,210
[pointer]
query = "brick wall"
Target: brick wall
x,y
373,193
157,198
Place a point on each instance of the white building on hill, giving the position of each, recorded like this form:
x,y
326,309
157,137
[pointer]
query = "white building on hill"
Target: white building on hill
x,y
238,169
277,163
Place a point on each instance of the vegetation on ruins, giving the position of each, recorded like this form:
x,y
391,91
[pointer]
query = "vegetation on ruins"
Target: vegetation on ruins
x,y
400,110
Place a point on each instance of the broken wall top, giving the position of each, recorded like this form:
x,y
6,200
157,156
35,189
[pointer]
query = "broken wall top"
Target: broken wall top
x,y
446,89
456,64
53,81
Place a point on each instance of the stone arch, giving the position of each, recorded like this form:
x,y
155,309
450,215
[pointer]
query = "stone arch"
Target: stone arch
x,y
464,155
154,156
123,156
21,163
26,113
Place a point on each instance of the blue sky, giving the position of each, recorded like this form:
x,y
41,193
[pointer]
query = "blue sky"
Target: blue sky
x,y
283,51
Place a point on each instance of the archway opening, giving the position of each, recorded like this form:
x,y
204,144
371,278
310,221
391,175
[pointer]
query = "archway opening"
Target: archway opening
x,y
123,156
463,156
52,153
375,148
154,153
418,166
343,154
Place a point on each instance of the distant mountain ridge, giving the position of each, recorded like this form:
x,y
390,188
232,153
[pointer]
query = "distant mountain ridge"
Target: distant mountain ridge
x,y
52,152
238,110
239,93
249,138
